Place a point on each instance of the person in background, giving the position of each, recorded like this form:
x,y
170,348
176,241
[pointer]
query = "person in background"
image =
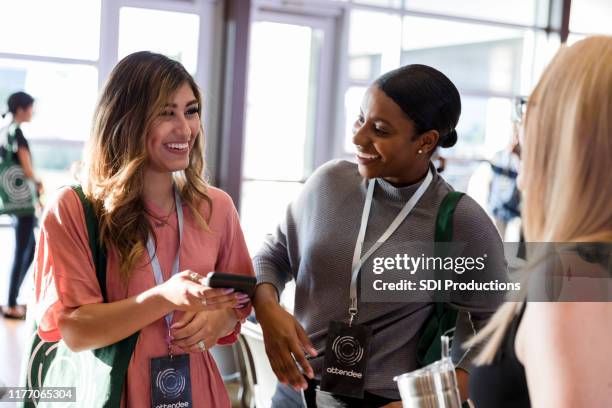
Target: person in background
x,y
544,354
163,228
504,197
20,107
438,161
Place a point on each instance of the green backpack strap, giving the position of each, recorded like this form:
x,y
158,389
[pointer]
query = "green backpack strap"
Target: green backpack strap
x,y
444,220
429,348
10,137
98,251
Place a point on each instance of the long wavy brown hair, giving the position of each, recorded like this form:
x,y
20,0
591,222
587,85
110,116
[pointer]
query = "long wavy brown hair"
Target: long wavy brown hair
x,y
135,94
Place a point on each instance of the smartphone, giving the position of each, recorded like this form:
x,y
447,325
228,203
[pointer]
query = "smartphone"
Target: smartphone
x,y
240,283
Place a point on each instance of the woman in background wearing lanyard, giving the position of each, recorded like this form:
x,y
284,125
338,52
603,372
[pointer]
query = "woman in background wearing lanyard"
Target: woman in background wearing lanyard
x,y
405,116
163,227
557,354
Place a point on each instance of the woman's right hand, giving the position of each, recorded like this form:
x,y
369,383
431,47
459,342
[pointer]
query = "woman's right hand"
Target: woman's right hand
x,y
285,340
185,293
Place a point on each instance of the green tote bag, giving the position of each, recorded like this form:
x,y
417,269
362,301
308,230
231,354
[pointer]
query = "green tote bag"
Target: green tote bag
x,y
97,375
17,192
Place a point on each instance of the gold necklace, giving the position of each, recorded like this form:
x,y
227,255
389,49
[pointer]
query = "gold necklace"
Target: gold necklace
x,y
161,221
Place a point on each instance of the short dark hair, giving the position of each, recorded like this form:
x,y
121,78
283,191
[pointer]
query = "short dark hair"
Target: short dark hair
x,y
427,97
19,100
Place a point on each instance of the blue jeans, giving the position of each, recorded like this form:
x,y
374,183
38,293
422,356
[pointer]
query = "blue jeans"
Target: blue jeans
x,y
24,254
286,397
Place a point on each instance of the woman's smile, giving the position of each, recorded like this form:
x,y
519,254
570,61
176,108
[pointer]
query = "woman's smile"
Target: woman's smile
x,y
366,158
180,149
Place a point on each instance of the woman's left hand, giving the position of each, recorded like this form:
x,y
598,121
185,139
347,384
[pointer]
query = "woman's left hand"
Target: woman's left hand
x,y
206,326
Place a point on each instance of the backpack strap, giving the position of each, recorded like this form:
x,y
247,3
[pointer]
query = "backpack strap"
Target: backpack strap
x,y
442,319
11,138
98,251
444,226
444,220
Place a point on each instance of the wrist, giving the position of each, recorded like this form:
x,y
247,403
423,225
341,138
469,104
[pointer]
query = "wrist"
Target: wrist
x,y
265,296
233,322
156,297
232,316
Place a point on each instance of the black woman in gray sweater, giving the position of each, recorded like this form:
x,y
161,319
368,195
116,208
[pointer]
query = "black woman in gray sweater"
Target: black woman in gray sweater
x,y
329,238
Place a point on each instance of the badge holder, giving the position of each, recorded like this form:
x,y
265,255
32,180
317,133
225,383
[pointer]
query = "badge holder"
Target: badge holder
x,y
171,380
346,357
170,376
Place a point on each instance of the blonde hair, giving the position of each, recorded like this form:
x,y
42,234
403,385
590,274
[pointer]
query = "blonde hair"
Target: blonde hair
x,y
566,160
134,96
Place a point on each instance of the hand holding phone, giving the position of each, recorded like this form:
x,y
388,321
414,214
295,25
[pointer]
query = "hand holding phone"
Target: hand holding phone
x,y
240,283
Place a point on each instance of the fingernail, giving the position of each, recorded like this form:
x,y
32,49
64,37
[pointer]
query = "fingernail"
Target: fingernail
x,y
242,295
228,291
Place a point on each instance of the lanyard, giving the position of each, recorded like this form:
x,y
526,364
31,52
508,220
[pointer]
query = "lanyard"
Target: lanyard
x,y
359,260
157,272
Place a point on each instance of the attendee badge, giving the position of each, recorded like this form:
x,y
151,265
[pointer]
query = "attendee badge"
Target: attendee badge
x,y
170,382
346,358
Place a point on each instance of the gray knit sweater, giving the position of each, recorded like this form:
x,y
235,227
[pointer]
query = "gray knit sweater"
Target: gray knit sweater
x,y
314,245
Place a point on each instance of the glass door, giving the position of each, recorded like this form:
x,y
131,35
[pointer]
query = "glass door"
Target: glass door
x,y
287,115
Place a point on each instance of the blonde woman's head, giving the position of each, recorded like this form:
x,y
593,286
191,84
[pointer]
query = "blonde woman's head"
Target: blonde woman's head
x,y
566,172
130,112
567,183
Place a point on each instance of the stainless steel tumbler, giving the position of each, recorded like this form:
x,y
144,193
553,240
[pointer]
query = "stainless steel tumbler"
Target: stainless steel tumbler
x,y
433,386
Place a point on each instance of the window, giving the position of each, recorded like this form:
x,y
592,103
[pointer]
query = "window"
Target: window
x,y
179,42
282,115
382,3
517,11
477,58
591,16
58,28
373,51
484,127
352,105
65,96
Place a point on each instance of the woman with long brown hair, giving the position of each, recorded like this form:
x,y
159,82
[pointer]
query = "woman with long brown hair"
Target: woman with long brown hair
x,y
545,354
156,216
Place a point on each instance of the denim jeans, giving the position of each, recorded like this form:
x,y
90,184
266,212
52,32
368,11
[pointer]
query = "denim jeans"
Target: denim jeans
x,y
24,254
